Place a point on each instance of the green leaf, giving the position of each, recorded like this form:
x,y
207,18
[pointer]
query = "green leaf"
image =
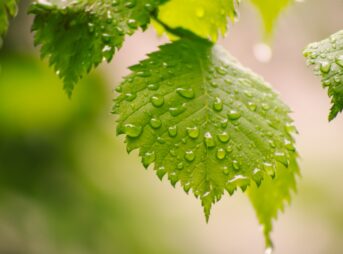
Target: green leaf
x,y
327,58
8,9
271,196
202,17
270,10
78,35
204,120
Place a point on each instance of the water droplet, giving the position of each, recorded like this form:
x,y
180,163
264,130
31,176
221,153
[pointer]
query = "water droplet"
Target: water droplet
x,y
224,137
143,74
132,130
187,187
187,93
236,165
221,70
252,106
229,149
175,111
157,101
240,180
221,154
269,168
107,53
289,145
161,140
130,4
193,132
189,155
339,60
148,158
161,171
132,23
153,87
130,96
234,115
172,130
282,158
209,140
325,67
226,170
257,176
269,250
179,166
224,123
155,123
149,7
218,104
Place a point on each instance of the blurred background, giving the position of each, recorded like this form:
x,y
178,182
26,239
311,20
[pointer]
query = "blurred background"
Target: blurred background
x,y
67,185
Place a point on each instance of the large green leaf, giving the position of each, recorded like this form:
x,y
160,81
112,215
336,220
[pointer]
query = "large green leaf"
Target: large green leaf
x,y
202,17
270,10
79,35
271,196
327,58
8,8
204,120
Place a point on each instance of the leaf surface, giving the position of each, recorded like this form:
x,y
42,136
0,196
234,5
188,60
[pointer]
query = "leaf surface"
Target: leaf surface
x,y
326,57
78,35
8,9
202,17
271,196
203,120
270,10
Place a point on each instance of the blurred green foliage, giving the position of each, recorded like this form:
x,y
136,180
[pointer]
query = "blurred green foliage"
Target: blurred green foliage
x,y
48,202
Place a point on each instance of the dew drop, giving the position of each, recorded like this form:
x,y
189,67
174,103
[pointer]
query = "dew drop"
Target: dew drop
x,y
187,93
130,96
224,137
282,158
187,187
234,115
325,67
155,123
161,140
339,60
229,149
175,111
289,145
161,171
153,87
218,104
221,153
189,155
132,23
132,130
172,130
180,166
269,168
226,170
148,158
209,140
130,4
193,132
252,106
236,165
157,101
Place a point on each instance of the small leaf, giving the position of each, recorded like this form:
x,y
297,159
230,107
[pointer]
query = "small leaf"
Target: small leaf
x,y
327,58
8,9
220,126
270,10
271,196
202,17
78,35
